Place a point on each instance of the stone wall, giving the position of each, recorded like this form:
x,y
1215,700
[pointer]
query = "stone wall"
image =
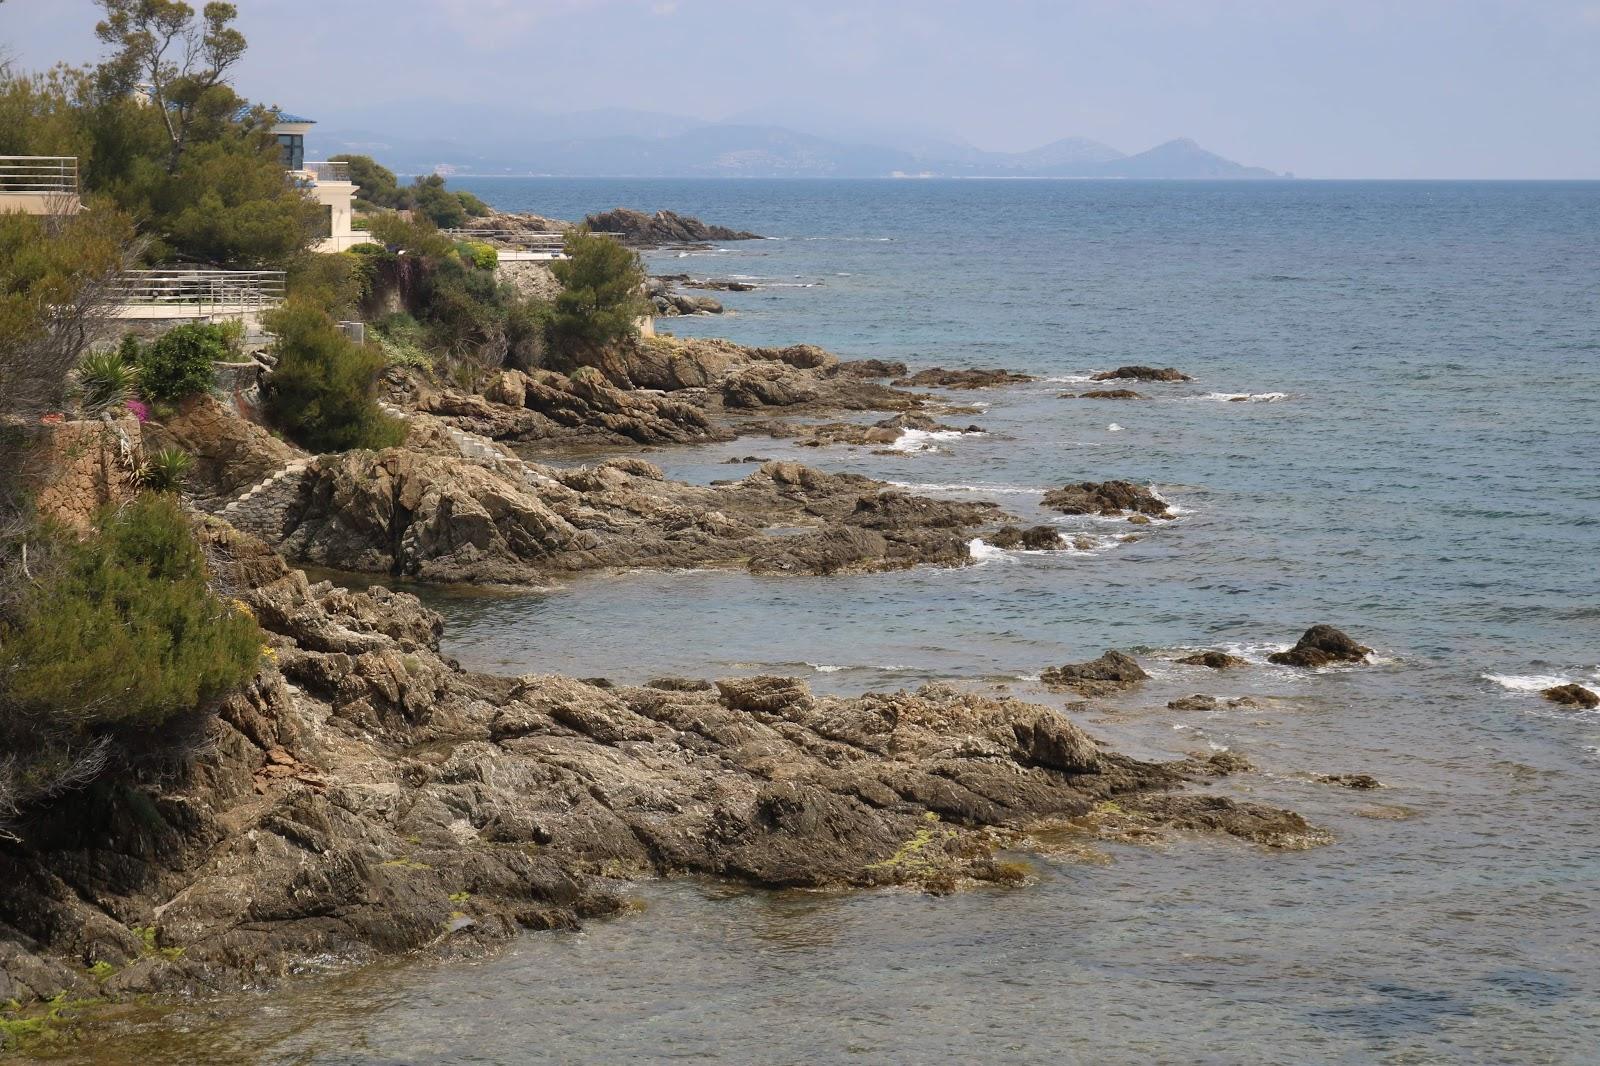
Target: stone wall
x,y
81,469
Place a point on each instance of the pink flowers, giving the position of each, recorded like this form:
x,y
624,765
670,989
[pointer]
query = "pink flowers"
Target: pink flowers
x,y
140,411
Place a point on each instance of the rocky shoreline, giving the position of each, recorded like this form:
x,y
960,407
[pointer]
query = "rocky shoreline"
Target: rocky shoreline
x,y
365,796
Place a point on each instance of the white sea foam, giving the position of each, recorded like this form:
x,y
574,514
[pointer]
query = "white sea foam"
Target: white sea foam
x,y
1071,379
923,486
984,552
1538,682
826,668
923,440
1113,427
1243,397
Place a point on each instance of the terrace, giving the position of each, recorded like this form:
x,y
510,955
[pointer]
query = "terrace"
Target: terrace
x,y
39,184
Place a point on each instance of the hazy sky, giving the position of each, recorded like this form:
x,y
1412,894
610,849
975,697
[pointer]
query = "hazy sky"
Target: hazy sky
x,y
1325,88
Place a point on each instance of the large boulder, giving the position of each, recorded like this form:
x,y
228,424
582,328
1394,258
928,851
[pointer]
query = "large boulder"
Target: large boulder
x,y
1112,672
1142,373
1106,498
663,227
1572,696
1322,645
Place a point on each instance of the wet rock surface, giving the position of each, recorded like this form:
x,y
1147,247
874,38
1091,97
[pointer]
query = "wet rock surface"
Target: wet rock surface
x,y
1571,696
1114,671
1106,498
1142,373
1322,645
1104,394
883,433
1033,538
939,377
1214,660
363,796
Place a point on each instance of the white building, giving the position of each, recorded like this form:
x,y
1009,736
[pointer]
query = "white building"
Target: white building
x,y
327,183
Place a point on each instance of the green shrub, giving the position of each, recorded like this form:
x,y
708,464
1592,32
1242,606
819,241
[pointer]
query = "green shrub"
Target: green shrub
x,y
128,351
126,630
472,205
602,295
431,199
336,281
178,363
104,380
322,391
166,470
402,342
481,255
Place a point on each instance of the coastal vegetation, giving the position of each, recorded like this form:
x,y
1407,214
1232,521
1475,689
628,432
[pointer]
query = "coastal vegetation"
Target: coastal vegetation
x,y
602,294
322,389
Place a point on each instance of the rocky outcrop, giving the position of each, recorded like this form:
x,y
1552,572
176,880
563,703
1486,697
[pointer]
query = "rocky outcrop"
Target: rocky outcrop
x,y
443,517
1106,498
663,227
362,796
1572,696
1033,538
939,377
1113,672
1104,394
1321,645
230,452
1142,373
1215,660
887,432
671,303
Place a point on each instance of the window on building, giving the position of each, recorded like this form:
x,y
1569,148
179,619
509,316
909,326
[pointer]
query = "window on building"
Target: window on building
x,y
293,149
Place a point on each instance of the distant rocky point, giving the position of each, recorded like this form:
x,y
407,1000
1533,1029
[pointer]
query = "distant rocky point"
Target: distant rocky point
x,y
663,227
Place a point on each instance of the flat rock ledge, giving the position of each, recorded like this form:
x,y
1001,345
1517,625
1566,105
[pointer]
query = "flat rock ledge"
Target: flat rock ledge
x,y
363,796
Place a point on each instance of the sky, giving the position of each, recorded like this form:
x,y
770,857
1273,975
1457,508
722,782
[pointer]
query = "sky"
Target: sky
x,y
1323,88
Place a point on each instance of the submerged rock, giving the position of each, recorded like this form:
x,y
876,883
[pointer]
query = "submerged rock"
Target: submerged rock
x,y
1104,394
1215,660
1142,373
939,377
1360,782
1112,672
1319,646
1106,498
1571,696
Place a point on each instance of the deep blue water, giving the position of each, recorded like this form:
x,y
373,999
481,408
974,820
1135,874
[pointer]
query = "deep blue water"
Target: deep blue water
x,y
1427,479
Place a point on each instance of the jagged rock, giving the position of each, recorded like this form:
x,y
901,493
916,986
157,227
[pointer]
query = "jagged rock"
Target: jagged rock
x,y
363,796
718,284
872,368
1319,646
1034,538
1104,394
962,379
663,227
1360,782
1106,498
1112,672
230,453
1215,660
1571,696
886,432
1197,702
1142,373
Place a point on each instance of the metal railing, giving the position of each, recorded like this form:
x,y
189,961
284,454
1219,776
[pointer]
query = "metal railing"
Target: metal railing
x,y
523,238
338,170
44,174
198,291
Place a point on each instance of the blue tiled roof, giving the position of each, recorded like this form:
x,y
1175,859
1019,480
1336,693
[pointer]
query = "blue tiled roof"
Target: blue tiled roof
x,y
277,114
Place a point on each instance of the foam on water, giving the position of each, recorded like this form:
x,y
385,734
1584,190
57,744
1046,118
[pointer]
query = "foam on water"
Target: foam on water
x,y
925,440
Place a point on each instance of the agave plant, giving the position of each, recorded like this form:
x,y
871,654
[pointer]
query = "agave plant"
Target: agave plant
x,y
105,381
165,470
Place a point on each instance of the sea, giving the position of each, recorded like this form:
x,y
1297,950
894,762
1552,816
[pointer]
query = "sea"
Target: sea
x,y
1393,427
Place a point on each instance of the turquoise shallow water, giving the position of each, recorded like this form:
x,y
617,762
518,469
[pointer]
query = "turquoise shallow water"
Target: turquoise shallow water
x,y
1417,465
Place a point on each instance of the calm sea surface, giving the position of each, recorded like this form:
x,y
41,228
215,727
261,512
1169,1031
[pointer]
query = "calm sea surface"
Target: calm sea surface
x,y
1414,459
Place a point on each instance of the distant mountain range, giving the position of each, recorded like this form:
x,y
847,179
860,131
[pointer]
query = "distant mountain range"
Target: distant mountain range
x,y
411,138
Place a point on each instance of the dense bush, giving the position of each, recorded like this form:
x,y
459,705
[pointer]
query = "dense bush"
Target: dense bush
x,y
336,281
178,363
124,631
602,295
323,390
376,185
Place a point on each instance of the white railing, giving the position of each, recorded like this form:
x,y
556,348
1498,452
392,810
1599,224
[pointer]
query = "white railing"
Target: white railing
x,y
196,292
524,238
338,170
42,174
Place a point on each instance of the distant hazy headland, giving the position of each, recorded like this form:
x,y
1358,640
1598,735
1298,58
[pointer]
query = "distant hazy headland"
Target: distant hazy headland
x,y
421,136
